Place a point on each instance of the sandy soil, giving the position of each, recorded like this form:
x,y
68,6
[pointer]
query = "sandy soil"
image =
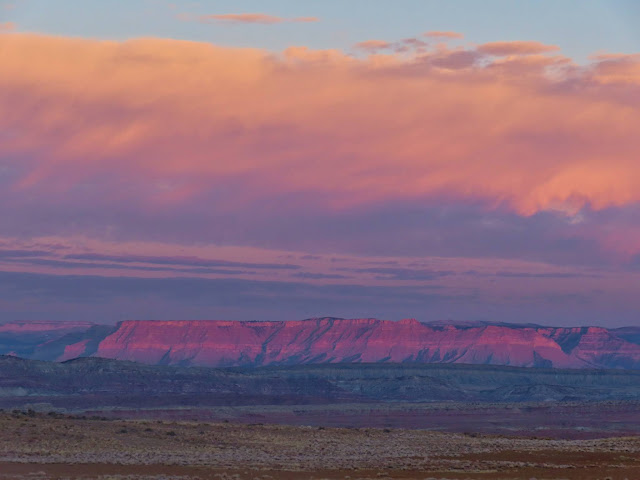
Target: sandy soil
x,y
38,446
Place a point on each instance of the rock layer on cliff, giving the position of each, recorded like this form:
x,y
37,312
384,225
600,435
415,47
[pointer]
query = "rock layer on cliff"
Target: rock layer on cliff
x,y
333,340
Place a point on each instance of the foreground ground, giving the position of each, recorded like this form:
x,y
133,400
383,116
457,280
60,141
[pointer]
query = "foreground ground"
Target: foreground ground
x,y
39,446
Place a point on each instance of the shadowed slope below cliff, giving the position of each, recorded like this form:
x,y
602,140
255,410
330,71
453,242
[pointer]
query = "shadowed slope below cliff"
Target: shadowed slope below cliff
x,y
87,382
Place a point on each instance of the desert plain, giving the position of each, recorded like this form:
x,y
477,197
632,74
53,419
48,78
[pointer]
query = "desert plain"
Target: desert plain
x,y
52,445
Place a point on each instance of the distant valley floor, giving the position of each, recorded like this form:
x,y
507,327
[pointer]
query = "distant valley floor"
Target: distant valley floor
x,y
570,421
485,399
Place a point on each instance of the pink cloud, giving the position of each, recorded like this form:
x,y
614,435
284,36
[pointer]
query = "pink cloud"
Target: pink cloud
x,y
456,59
443,35
305,19
413,42
372,45
618,68
248,18
7,26
516,48
180,118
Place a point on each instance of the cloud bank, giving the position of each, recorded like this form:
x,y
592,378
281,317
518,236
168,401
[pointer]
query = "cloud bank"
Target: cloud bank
x,y
526,131
506,150
57,279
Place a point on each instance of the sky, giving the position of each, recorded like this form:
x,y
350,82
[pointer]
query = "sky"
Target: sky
x,y
279,160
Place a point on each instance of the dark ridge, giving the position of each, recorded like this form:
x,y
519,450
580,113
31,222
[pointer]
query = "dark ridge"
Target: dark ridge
x,y
92,382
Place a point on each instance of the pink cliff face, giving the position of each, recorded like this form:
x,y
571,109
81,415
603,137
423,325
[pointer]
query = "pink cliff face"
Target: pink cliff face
x,y
328,340
598,346
74,350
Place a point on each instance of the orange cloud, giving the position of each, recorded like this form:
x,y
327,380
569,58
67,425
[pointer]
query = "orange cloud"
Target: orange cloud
x,y
259,18
7,26
445,35
182,118
618,68
516,48
372,45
